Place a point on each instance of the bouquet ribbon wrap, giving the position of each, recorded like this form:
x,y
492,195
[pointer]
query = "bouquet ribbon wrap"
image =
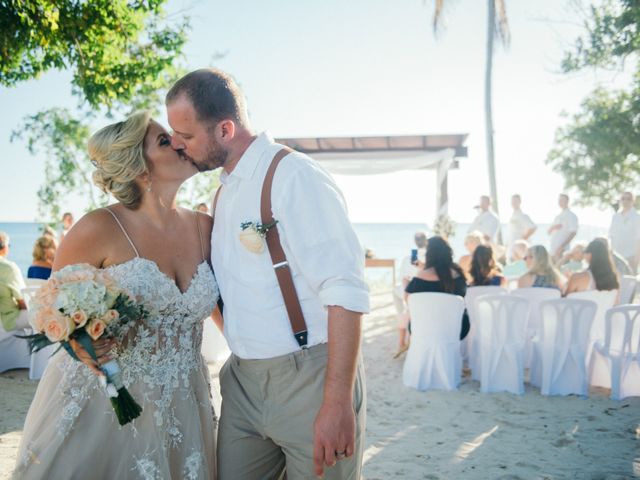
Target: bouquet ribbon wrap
x,y
123,403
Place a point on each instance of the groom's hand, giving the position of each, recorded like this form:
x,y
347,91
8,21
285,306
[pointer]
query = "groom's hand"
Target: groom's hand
x,y
334,432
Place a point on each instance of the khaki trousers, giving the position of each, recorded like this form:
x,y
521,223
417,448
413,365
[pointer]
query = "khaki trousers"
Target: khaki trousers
x,y
267,415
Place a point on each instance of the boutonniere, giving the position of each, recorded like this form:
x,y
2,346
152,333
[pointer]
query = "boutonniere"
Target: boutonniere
x,y
253,234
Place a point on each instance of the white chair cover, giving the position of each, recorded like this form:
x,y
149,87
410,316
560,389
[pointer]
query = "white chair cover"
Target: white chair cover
x,y
40,359
34,282
501,321
627,289
14,352
615,363
433,360
535,295
605,299
214,346
560,349
469,348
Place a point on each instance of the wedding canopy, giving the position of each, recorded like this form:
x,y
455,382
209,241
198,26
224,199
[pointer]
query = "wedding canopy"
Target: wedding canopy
x,y
386,154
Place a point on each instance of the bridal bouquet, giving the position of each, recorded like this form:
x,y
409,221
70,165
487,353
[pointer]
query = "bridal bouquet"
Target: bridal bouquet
x,y
83,303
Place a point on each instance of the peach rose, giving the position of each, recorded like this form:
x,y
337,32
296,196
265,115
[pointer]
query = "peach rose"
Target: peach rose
x,y
79,318
58,327
252,240
47,293
95,328
40,317
110,316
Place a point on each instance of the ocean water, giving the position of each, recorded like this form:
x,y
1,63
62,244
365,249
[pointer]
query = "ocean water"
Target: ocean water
x,y
386,240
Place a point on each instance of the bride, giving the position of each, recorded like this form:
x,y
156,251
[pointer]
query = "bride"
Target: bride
x,y
158,252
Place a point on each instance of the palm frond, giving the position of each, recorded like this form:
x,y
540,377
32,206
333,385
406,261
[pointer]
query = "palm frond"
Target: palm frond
x,y
437,15
502,22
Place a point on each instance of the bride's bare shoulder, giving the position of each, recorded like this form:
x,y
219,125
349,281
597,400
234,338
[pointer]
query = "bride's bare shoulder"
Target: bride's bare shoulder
x,y
88,241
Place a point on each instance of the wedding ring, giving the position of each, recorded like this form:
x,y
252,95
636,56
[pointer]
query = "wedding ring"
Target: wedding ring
x,y
341,455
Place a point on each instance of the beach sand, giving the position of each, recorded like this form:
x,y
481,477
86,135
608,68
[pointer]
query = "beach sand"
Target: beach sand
x,y
445,435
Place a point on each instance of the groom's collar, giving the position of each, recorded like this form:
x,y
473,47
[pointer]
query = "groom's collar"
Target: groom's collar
x,y
246,166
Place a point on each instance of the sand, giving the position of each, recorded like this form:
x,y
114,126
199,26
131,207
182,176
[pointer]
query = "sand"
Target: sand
x,y
446,435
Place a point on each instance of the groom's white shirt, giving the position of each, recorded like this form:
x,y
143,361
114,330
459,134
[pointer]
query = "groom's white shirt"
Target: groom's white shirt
x,y
324,254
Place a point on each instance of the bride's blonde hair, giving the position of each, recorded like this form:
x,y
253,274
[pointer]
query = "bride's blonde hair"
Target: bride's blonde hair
x,y
117,151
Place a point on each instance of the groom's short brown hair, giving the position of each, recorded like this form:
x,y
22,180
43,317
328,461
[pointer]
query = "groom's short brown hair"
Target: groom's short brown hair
x,y
214,94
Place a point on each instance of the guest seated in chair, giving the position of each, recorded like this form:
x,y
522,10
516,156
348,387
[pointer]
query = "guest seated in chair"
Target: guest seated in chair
x,y
600,275
484,269
573,261
517,266
471,241
441,275
408,269
541,272
44,252
13,309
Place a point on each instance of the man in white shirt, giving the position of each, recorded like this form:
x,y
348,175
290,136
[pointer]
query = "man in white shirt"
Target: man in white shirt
x,y
283,405
625,231
563,229
521,227
486,222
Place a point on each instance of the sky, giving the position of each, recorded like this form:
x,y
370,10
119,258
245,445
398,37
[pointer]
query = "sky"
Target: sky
x,y
370,67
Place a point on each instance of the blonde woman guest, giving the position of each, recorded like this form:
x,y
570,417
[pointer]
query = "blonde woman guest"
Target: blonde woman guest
x,y
44,253
13,309
471,242
573,261
600,275
158,252
541,272
517,266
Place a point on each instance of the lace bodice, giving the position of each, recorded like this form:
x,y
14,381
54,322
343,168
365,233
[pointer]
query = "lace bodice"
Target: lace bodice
x,y
160,354
167,343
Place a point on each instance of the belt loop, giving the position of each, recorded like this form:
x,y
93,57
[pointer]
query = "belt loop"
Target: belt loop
x,y
294,361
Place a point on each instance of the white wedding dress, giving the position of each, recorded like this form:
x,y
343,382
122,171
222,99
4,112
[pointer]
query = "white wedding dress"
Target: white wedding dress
x,y
71,431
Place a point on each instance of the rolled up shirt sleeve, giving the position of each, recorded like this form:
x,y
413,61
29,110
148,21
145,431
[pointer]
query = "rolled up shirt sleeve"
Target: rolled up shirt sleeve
x,y
317,234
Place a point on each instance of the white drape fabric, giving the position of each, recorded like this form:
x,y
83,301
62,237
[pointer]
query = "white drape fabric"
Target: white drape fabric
x,y
375,163
433,360
501,322
560,349
615,363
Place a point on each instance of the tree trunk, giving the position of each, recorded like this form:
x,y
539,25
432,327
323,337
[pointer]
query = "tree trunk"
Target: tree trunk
x,y
491,21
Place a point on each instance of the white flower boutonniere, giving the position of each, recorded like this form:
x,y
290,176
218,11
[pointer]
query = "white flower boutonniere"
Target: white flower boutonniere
x,y
253,234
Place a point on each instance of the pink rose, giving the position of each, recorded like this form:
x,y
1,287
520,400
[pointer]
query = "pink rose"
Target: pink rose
x,y
95,328
58,327
110,316
79,318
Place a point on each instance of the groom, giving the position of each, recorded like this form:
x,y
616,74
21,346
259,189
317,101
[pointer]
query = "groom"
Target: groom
x,y
284,403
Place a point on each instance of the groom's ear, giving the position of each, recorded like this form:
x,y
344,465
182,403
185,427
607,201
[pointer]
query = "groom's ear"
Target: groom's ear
x,y
226,130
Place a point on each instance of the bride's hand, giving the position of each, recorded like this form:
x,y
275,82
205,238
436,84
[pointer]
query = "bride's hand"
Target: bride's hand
x,y
102,347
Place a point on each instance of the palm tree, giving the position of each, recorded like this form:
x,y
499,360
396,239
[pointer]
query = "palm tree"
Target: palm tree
x,y
497,25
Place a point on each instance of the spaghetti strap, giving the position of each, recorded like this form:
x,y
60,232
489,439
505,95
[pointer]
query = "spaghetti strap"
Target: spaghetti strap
x,y
200,237
123,231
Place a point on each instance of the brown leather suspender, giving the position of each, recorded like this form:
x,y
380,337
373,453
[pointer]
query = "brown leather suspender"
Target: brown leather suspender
x,y
278,257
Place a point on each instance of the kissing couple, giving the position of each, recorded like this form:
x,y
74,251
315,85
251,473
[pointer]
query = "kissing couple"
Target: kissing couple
x,y
288,293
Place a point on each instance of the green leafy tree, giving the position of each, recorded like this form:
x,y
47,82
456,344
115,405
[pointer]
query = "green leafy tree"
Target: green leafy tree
x,y
122,55
598,150
115,49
